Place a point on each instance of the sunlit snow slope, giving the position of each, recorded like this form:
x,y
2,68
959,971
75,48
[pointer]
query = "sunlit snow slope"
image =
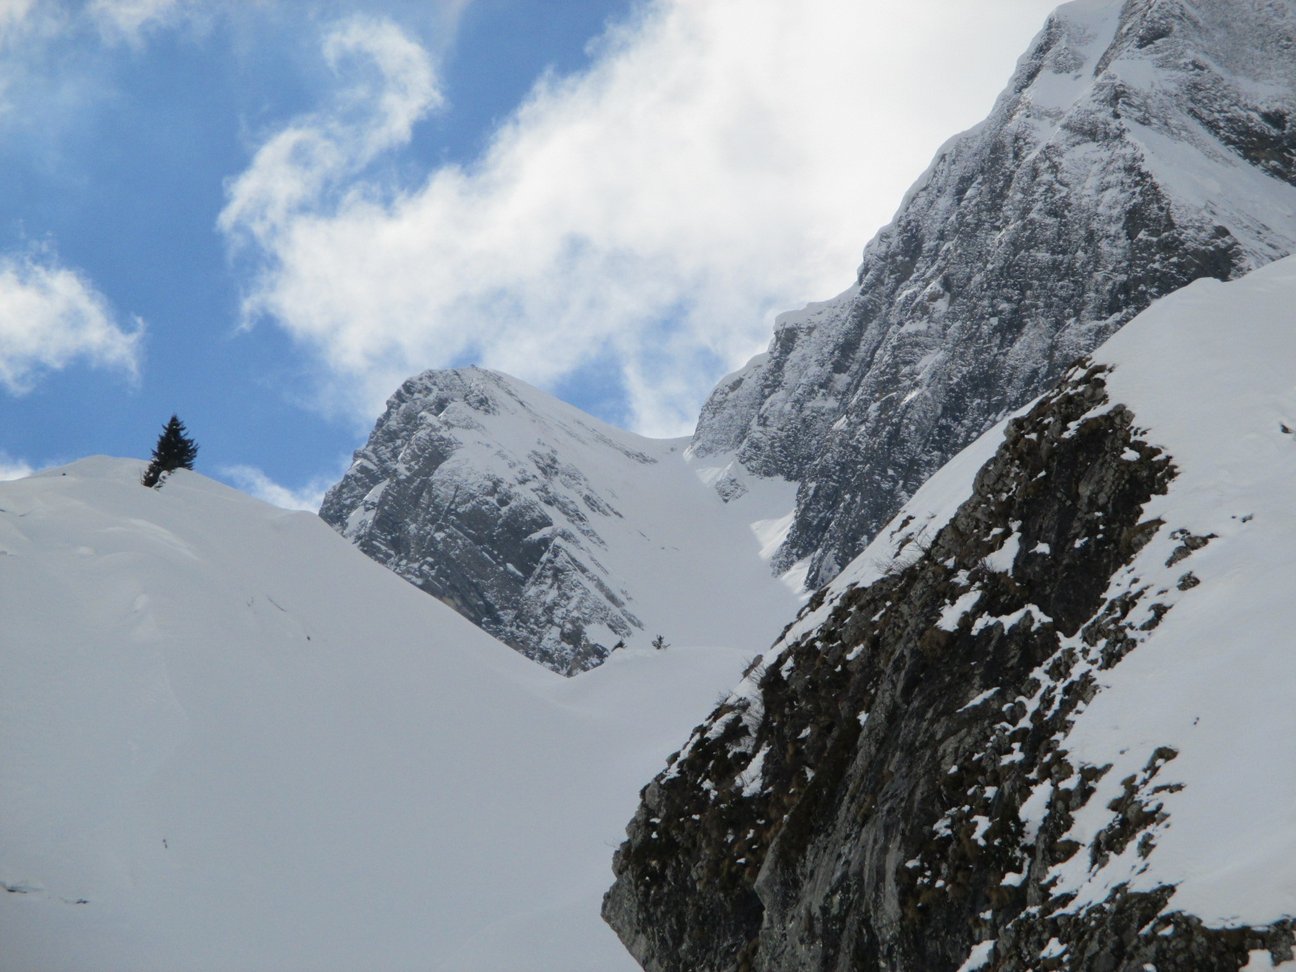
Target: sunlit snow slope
x,y
228,740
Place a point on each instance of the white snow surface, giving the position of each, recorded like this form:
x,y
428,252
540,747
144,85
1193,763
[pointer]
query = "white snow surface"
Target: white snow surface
x,y
1209,372
979,957
228,740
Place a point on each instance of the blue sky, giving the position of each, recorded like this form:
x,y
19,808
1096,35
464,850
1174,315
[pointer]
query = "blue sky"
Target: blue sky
x,y
263,215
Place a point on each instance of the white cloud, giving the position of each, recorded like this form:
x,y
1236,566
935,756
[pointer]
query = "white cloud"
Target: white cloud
x,y
11,468
25,29
13,13
389,85
115,19
129,18
50,317
719,162
135,20
254,482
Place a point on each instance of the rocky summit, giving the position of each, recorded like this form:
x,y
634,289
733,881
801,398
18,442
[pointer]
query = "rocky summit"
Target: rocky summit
x,y
560,535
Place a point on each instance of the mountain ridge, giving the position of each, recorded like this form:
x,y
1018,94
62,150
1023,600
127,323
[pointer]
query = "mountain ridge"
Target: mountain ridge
x,y
1137,147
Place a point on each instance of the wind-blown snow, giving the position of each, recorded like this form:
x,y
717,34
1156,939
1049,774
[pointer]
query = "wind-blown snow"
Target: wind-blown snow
x,y
229,740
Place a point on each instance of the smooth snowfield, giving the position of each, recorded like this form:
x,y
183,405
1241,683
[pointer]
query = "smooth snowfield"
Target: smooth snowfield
x,y
230,741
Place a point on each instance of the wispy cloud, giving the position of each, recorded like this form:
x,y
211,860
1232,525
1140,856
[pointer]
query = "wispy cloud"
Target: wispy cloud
x,y
256,483
26,30
50,317
13,13
718,162
386,84
11,468
60,57
128,19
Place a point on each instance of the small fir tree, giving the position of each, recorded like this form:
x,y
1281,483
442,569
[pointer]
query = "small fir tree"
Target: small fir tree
x,y
174,450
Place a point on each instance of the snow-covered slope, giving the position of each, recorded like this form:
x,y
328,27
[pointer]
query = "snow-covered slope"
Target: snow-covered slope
x,y
556,532
230,741
1141,144
1044,720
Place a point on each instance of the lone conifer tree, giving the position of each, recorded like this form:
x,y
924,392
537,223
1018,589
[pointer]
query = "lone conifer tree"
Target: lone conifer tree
x,y
174,450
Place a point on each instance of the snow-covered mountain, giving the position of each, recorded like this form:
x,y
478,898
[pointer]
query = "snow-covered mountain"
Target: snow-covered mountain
x,y
230,741
556,532
1041,721
1044,721
1140,145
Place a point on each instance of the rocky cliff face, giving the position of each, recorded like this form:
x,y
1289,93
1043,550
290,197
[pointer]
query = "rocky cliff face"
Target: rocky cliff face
x,y
1139,146
865,762
558,534
477,535
989,744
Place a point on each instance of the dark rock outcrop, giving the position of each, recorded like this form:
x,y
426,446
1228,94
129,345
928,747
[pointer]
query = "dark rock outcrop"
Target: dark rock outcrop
x,y
890,789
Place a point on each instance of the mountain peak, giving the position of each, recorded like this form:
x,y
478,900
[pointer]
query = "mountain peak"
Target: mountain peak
x,y
1138,147
555,532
